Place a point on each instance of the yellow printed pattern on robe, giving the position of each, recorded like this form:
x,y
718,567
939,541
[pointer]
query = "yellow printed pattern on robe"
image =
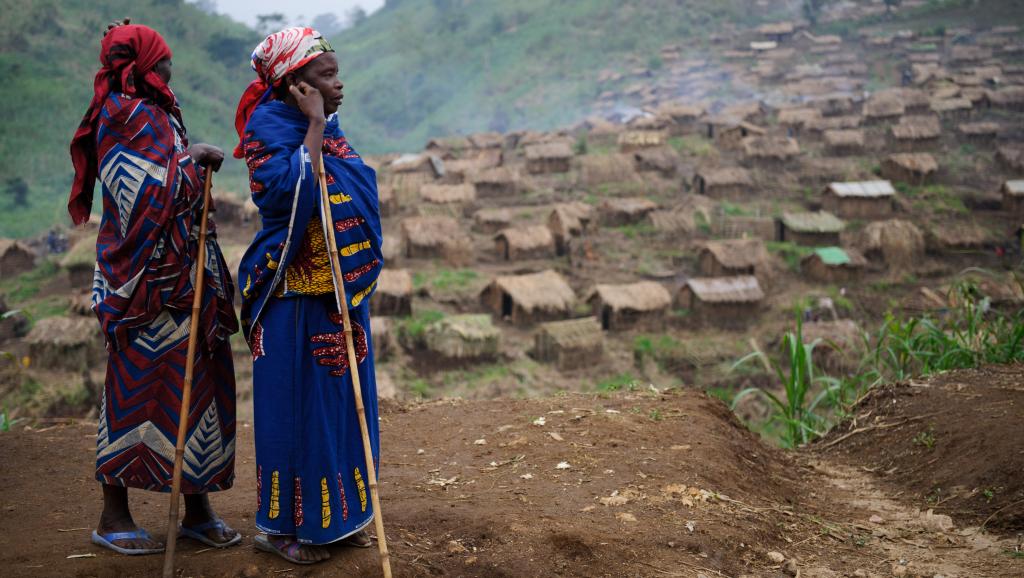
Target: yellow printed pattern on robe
x,y
361,487
325,501
275,496
354,248
310,272
339,198
358,297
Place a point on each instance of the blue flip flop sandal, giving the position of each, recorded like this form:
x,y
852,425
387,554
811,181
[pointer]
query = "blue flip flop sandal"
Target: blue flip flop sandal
x,y
107,541
199,533
287,552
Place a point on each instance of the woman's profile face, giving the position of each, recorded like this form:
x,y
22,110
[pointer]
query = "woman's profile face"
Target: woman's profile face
x,y
163,70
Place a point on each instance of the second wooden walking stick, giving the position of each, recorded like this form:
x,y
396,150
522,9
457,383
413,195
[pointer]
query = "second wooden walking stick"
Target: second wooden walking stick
x,y
353,366
186,389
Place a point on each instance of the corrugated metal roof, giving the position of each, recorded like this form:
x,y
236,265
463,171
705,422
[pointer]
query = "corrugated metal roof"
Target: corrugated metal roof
x,y
1015,187
863,189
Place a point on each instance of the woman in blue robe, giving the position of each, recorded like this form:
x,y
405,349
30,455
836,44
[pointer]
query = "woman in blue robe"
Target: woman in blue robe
x,y
312,485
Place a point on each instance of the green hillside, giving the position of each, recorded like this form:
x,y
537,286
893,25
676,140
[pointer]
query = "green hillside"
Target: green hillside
x,y
419,68
49,53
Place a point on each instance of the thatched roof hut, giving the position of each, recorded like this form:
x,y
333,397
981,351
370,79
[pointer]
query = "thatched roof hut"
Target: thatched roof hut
x,y
491,220
727,302
529,298
729,133
616,212
844,142
817,229
913,168
978,131
955,107
570,344
498,182
914,130
661,160
798,117
433,237
486,140
455,196
620,307
723,182
1013,197
449,147
769,149
525,242
393,295
1009,98
418,163
568,220
1011,158
732,257
836,123
743,226
549,158
463,337
608,170
387,200
883,105
66,343
859,200
80,262
833,265
897,243
633,140
17,257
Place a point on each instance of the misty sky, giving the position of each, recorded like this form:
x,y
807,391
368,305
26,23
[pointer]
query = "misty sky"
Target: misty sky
x,y
246,10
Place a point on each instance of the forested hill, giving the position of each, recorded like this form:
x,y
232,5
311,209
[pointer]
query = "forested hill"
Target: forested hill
x,y
423,68
49,53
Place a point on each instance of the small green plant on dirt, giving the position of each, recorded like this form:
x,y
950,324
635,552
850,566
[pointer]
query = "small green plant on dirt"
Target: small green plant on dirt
x,y
989,495
925,438
616,383
804,390
789,252
636,230
655,415
420,387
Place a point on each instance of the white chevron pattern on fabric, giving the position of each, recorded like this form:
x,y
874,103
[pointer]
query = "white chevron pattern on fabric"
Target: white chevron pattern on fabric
x,y
124,172
205,452
163,333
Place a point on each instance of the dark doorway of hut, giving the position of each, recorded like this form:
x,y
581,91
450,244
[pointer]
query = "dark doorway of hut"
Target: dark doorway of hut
x,y
606,318
506,306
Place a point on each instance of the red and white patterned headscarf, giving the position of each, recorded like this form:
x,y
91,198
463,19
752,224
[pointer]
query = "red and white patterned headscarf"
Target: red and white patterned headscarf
x,y
280,53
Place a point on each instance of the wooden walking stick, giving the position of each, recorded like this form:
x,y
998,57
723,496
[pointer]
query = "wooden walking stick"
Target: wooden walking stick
x,y
186,388
353,367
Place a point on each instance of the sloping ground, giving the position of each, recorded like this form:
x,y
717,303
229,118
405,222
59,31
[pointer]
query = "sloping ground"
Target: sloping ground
x,y
651,484
954,442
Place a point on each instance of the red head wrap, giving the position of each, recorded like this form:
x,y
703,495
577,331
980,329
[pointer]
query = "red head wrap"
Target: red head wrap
x,y
128,54
280,53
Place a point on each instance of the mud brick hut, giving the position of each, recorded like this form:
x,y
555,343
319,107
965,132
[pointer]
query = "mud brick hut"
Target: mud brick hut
x,y
729,134
833,265
978,132
632,141
640,305
387,200
859,200
683,117
732,257
896,243
769,151
568,220
467,337
496,183
66,343
16,258
618,212
491,220
80,262
429,165
549,158
448,148
883,106
1013,197
723,182
844,142
661,160
952,107
726,302
915,132
818,229
393,295
436,238
530,298
798,118
912,168
570,344
526,242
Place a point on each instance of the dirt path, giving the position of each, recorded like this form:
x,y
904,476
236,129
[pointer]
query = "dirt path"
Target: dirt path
x,y
635,484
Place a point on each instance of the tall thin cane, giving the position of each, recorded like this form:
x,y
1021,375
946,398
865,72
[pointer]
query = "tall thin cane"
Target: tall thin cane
x,y
186,388
353,367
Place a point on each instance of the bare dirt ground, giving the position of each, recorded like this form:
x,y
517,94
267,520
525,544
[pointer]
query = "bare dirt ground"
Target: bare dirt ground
x,y
632,484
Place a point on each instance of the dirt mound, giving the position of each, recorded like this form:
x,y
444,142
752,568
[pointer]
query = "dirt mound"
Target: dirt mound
x,y
632,484
951,442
